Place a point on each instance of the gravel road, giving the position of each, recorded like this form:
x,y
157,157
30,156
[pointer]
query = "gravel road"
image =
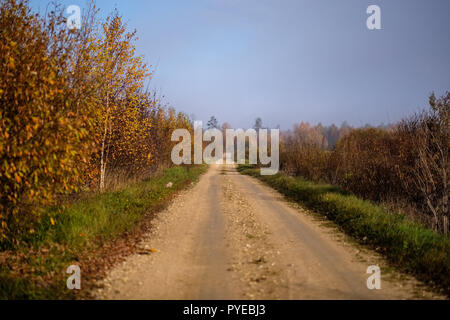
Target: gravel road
x,y
230,237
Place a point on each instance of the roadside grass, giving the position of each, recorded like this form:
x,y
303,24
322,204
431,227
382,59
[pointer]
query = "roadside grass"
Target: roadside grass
x,y
407,245
82,233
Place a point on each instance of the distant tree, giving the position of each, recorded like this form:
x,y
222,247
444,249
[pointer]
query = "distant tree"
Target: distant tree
x,y
213,123
332,136
307,135
258,124
345,125
226,126
344,130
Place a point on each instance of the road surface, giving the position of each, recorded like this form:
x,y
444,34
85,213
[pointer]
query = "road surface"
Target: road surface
x,y
231,237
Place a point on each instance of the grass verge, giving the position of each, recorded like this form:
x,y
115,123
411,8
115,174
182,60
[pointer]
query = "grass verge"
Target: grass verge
x,y
407,245
94,233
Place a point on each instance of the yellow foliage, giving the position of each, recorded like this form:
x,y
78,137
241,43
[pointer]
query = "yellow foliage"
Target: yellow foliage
x,y
73,108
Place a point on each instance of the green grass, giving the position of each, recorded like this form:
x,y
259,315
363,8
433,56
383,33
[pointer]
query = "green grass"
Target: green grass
x,y
407,245
80,229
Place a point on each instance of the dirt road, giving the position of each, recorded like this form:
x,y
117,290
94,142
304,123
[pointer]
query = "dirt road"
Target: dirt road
x,y
230,237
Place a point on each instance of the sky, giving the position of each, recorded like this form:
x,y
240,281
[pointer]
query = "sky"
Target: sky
x,y
288,61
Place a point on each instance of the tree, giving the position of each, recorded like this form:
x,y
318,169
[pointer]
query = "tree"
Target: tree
x,y
431,170
122,76
72,112
45,127
258,124
302,151
226,126
213,123
332,134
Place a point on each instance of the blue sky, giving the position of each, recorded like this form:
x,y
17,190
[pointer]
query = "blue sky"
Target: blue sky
x,y
292,60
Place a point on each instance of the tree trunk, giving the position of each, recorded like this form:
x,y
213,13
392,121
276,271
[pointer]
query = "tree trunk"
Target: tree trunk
x,y
102,156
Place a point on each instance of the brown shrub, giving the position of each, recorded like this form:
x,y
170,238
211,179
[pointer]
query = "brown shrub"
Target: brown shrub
x,y
407,163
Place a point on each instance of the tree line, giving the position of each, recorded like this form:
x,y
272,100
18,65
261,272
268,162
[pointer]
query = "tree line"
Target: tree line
x,y
404,165
75,114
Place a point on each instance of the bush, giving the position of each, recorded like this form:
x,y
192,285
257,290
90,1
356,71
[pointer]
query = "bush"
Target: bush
x,y
405,163
73,113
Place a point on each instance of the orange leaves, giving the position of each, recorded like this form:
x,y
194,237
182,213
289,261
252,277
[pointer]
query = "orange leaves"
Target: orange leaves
x,y
37,141
69,103
17,178
12,64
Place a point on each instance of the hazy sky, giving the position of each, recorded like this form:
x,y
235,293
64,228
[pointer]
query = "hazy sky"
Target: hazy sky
x,y
292,60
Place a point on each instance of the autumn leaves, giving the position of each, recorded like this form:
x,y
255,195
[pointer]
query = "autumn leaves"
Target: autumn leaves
x,y
73,111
